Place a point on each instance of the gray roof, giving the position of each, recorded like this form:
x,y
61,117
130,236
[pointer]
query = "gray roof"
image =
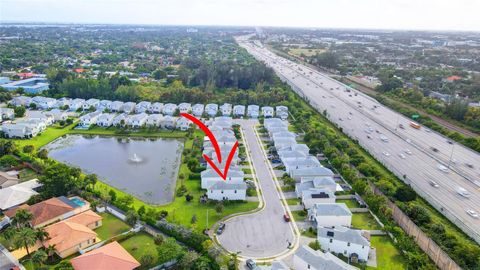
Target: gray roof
x,y
344,234
332,209
223,185
316,171
320,260
213,173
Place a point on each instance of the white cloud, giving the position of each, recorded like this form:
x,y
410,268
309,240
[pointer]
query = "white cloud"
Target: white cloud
x,y
381,14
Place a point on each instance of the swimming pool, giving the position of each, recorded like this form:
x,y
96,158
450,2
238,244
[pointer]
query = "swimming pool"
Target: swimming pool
x,y
77,201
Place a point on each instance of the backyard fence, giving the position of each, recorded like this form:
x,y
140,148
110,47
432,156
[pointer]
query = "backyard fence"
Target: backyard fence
x,y
438,256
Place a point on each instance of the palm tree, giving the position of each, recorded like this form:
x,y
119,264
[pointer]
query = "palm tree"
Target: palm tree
x,y
39,257
50,250
22,218
41,235
25,237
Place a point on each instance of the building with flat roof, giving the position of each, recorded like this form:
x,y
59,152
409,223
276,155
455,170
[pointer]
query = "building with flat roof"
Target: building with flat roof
x,y
31,85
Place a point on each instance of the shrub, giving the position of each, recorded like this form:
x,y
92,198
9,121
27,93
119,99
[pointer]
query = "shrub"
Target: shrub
x,y
8,161
28,149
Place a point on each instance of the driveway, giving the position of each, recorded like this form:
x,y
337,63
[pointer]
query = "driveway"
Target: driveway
x,y
262,234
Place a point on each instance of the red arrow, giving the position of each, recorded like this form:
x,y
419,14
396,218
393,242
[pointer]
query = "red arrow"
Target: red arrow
x,y
207,131
227,165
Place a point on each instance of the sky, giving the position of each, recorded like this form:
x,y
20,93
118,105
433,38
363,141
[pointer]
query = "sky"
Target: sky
x,y
369,14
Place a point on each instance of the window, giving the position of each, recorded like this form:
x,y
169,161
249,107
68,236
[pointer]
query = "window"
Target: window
x,y
344,252
235,191
348,244
331,240
308,266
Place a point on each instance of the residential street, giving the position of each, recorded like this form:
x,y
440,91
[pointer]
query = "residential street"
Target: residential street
x,y
263,234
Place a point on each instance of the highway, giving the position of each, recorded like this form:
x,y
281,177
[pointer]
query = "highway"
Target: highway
x,y
412,154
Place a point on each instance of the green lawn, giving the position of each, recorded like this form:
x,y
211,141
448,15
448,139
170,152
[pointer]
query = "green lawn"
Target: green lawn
x,y
299,215
388,256
293,201
364,221
50,134
139,245
350,203
111,226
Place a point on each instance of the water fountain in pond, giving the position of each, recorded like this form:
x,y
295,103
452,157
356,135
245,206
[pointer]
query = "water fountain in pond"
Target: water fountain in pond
x,y
135,158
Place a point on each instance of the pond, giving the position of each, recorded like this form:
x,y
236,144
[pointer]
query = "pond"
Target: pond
x,y
144,168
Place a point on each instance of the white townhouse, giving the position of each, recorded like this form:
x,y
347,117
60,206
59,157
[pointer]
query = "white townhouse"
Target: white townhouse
x,y
330,215
184,107
76,104
105,119
89,119
267,111
37,123
313,196
324,182
284,142
303,148
58,115
154,120
348,242
21,101
197,110
169,109
20,130
226,109
62,102
306,258
168,122
115,106
137,120
290,154
253,111
283,134
210,177
211,109
183,123
104,105
128,107
44,103
281,112
91,103
297,174
222,191
238,110
270,123
156,107
300,163
46,117
7,113
120,120
142,107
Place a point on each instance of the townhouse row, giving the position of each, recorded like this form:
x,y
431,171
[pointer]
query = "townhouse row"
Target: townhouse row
x,y
211,109
234,186
316,187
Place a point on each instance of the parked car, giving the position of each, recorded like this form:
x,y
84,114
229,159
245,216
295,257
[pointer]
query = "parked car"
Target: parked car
x,y
221,228
286,217
251,264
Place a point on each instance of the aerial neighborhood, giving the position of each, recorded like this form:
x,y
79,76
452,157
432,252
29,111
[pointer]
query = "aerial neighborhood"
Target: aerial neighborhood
x,y
224,148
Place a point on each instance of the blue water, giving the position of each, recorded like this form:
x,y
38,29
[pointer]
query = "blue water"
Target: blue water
x,y
77,201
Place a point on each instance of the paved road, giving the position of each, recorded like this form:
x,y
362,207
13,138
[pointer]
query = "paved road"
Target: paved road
x,y
262,234
353,111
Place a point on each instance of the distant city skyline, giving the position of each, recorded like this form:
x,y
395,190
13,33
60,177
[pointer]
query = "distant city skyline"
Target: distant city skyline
x,y
458,15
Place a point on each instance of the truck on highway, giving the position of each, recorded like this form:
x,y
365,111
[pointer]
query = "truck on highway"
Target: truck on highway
x,y
415,125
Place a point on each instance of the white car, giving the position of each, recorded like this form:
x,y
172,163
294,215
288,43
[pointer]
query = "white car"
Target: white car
x,y
442,168
463,192
433,184
472,213
408,152
402,156
386,153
